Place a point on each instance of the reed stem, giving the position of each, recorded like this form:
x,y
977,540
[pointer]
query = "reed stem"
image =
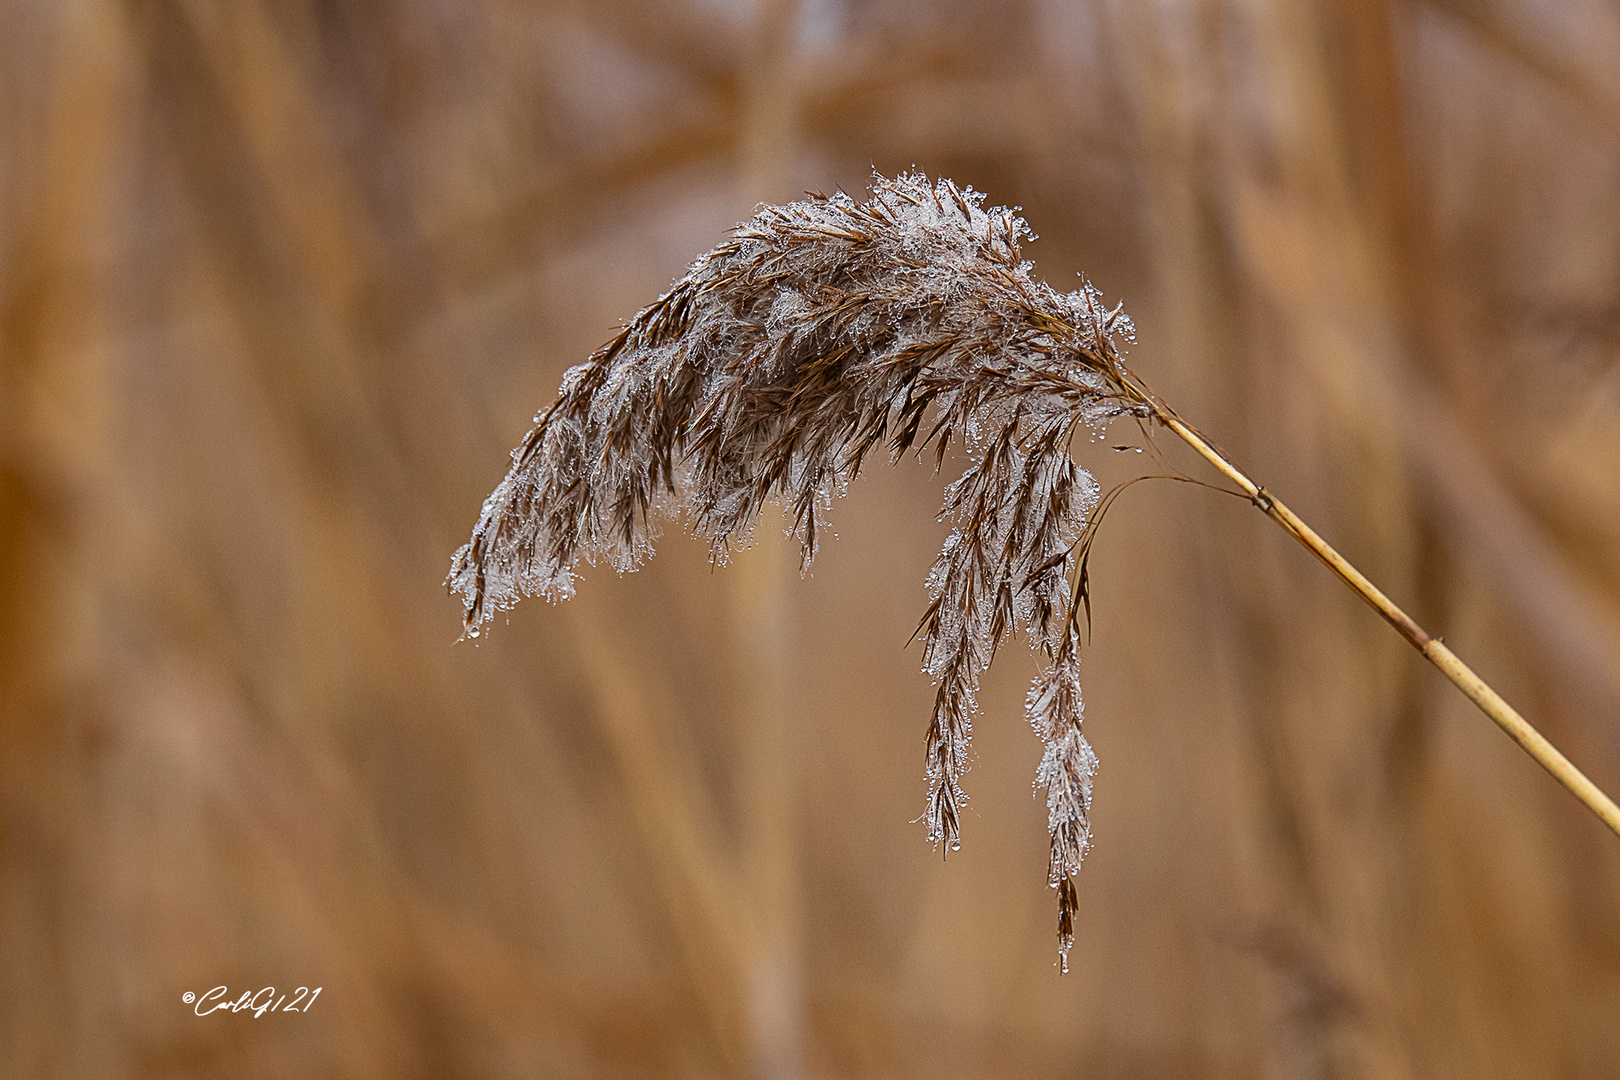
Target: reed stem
x,y
1433,649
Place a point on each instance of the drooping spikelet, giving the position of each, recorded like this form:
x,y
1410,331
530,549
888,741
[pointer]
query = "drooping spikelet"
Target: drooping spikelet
x,y
819,331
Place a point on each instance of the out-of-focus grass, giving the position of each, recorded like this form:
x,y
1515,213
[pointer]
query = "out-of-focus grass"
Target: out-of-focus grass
x,y
279,284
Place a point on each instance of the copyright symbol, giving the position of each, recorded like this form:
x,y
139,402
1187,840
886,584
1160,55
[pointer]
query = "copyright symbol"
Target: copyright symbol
x,y
188,997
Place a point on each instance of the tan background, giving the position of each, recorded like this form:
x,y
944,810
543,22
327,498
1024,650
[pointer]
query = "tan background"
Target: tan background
x,y
280,284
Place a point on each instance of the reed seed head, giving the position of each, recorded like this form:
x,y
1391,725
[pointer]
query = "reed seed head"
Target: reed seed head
x,y
817,333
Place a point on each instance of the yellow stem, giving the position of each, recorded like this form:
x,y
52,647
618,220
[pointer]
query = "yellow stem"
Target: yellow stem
x,y
1478,691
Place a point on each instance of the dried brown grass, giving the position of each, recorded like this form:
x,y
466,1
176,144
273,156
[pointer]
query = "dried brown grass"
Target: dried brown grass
x,y
826,329
238,746
820,332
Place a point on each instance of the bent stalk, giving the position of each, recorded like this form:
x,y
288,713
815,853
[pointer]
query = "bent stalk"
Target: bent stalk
x,y
828,330
1433,649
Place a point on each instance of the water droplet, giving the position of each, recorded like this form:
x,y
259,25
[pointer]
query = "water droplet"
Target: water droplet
x,y
473,631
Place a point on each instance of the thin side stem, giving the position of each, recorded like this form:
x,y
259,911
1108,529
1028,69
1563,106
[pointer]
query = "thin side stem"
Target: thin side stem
x,y
1434,650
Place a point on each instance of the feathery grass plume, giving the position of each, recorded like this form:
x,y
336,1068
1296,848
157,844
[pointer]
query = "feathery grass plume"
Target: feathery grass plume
x,y
819,331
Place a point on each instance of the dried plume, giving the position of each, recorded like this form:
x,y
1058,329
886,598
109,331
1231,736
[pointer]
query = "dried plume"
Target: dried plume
x,y
818,332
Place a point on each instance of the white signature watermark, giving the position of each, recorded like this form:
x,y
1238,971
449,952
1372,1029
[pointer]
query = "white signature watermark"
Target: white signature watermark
x,y
216,999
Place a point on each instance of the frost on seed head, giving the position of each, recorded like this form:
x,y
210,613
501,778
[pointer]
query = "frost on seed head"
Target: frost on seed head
x,y
819,332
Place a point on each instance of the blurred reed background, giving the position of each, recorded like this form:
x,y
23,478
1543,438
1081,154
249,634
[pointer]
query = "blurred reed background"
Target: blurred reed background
x,y
280,285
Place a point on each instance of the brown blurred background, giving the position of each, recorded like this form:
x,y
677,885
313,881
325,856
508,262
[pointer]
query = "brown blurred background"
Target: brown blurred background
x,y
281,283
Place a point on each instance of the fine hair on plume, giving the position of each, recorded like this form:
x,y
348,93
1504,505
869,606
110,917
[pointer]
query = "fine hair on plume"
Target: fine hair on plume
x,y
823,330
